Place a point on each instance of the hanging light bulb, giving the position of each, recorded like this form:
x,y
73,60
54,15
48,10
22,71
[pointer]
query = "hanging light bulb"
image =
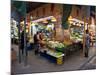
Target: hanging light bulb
x,y
31,17
70,18
22,22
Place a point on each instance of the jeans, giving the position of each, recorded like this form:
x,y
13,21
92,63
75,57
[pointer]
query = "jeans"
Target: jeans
x,y
36,47
86,51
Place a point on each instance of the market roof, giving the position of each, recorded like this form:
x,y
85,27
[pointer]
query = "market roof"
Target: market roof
x,y
28,6
23,7
33,5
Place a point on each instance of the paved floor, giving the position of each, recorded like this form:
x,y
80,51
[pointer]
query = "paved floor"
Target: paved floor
x,y
38,64
89,64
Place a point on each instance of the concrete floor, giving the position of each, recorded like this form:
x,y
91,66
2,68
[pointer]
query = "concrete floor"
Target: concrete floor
x,y
38,64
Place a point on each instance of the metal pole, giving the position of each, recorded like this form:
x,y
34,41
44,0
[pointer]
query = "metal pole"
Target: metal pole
x,y
19,41
25,51
86,15
25,45
84,38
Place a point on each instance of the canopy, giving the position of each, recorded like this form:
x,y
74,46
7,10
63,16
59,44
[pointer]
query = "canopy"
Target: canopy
x,y
43,19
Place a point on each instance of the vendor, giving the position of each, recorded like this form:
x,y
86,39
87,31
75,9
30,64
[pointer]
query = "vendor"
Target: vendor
x,y
41,36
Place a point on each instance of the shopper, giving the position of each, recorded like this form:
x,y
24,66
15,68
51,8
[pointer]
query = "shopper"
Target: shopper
x,y
87,43
37,43
22,42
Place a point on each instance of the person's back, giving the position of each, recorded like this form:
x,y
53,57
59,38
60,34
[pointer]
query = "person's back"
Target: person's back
x,y
87,39
41,36
22,41
35,38
36,43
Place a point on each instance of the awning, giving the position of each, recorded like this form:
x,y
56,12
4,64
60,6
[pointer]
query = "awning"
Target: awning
x,y
77,20
43,19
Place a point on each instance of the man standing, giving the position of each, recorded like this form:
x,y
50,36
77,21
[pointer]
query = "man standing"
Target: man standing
x,y
87,43
22,42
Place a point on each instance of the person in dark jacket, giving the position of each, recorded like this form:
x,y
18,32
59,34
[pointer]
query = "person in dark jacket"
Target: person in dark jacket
x,y
36,43
22,42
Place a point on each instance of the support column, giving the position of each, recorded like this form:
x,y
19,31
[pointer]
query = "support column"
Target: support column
x,y
65,24
25,44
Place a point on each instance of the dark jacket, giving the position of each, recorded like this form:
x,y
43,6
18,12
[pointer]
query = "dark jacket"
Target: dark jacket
x,y
22,40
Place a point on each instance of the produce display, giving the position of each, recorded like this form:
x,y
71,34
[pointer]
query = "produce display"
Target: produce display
x,y
14,29
77,37
55,54
55,44
76,33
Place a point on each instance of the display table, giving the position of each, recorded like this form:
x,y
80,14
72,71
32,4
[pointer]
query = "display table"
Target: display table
x,y
55,57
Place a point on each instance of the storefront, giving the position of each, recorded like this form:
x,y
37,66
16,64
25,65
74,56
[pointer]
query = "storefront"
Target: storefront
x,y
14,31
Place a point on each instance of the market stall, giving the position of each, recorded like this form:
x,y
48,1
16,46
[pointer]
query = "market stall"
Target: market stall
x,y
53,49
14,31
50,48
75,43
